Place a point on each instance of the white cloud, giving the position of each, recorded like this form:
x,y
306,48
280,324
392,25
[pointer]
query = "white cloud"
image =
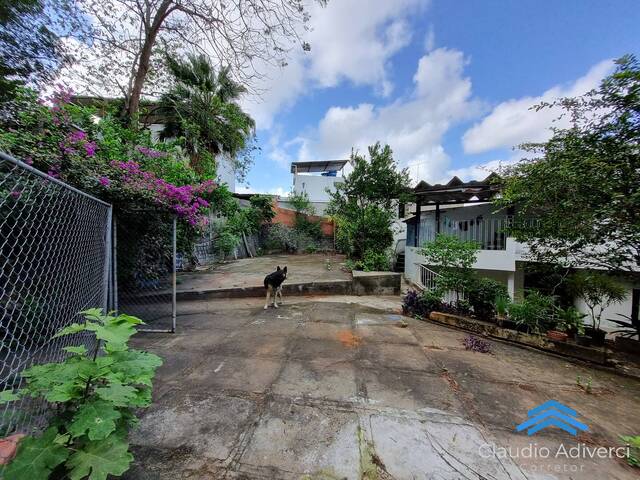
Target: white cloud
x,y
414,127
351,40
513,122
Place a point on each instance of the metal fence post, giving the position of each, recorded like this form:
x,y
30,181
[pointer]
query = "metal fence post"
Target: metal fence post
x,y
174,281
107,261
114,265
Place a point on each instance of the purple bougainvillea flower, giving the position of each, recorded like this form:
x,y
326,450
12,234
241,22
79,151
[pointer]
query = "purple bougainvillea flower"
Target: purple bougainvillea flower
x,y
104,181
15,194
90,148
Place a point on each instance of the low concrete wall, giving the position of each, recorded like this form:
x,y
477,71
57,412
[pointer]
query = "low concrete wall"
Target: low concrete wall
x,y
590,354
376,283
328,287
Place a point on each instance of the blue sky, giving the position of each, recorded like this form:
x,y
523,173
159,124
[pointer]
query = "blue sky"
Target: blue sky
x,y
448,84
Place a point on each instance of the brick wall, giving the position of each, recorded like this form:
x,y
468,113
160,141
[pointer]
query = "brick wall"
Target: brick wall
x,y
288,217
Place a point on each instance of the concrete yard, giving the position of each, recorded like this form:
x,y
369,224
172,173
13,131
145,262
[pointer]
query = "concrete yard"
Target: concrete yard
x,y
334,388
250,272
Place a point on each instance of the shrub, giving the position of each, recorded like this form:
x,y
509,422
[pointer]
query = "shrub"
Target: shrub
x,y
421,304
375,261
570,320
483,293
306,227
95,397
534,313
281,237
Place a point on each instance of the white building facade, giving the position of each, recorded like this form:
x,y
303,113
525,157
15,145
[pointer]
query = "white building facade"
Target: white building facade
x,y
318,180
500,257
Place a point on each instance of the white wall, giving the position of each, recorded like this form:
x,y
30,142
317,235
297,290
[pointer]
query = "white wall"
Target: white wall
x,y
226,172
315,185
319,208
623,307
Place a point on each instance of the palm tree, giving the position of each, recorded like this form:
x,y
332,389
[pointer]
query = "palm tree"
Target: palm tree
x,y
202,110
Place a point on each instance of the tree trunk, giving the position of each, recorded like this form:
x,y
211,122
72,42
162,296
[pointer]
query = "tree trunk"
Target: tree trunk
x,y
151,34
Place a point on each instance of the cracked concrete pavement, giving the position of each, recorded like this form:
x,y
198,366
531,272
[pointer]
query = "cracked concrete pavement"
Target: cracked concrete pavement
x,y
334,388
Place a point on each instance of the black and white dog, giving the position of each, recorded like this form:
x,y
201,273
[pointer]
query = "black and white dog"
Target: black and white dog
x,y
273,283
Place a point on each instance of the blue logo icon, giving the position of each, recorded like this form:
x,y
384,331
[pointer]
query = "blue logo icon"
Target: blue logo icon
x,y
552,414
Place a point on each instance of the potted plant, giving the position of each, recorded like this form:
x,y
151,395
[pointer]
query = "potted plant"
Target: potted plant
x,y
571,321
625,341
598,291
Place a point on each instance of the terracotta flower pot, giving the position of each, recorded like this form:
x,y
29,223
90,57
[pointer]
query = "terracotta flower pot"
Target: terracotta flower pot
x,y
557,336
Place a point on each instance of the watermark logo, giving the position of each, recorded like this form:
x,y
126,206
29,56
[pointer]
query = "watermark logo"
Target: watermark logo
x,y
552,414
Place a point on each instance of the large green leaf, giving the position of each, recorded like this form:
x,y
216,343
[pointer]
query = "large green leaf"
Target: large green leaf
x,y
8,396
37,457
96,418
134,366
114,335
60,382
79,350
71,329
99,459
120,395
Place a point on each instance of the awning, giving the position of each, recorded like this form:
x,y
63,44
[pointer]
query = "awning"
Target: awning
x,y
318,166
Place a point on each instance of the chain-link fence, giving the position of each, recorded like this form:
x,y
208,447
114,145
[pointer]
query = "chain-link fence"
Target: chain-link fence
x,y
54,263
144,250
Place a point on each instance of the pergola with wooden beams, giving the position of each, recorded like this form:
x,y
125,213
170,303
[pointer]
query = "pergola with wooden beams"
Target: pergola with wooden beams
x,y
454,192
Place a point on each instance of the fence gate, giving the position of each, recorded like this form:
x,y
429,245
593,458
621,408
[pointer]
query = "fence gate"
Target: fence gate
x,y
144,268
54,262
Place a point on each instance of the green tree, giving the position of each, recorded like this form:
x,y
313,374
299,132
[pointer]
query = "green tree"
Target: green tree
x,y
454,258
31,50
202,111
363,205
583,188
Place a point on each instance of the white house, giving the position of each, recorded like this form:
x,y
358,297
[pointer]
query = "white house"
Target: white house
x,y
464,209
317,179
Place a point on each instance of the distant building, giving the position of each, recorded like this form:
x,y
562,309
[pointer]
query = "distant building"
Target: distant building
x,y
318,179
465,210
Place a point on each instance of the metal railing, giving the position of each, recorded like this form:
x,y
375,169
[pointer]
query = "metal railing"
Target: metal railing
x,y
489,233
54,262
428,280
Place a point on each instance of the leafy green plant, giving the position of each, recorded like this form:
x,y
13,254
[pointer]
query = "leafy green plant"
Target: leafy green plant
x,y
570,319
454,258
502,304
633,456
482,294
376,261
534,313
587,386
94,400
630,327
301,203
